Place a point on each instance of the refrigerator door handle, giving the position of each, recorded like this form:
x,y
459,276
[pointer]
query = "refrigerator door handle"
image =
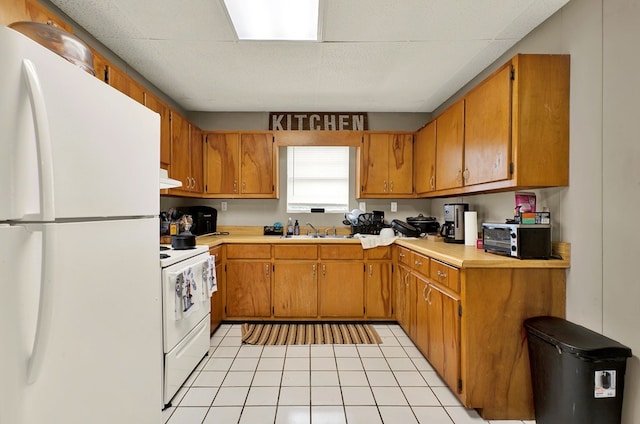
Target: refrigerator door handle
x,y
43,141
45,308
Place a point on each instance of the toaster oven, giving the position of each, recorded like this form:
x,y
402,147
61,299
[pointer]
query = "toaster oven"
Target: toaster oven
x,y
523,241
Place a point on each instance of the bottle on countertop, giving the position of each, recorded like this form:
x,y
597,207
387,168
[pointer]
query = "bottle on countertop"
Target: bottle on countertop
x,y
289,227
296,228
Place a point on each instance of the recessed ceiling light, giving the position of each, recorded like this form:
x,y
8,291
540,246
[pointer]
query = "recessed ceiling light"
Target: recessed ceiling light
x,y
274,19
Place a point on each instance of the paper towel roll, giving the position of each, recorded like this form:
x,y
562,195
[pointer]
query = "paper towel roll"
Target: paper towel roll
x,y
470,228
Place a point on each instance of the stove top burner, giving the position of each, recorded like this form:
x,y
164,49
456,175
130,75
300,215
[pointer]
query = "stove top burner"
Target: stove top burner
x,y
164,248
163,256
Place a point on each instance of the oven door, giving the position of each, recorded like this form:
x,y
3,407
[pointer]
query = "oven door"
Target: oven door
x,y
185,300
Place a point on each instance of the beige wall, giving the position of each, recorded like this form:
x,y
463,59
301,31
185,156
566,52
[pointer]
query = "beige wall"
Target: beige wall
x,y
621,187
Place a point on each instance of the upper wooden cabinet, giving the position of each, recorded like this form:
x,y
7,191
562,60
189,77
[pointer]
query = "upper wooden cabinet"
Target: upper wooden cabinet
x,y
424,159
509,132
241,165
450,147
385,165
487,135
156,105
186,155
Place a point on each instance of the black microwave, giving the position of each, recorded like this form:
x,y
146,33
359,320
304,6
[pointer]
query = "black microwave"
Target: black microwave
x,y
523,241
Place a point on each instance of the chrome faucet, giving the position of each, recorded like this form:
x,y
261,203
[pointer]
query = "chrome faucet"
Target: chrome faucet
x,y
314,228
326,231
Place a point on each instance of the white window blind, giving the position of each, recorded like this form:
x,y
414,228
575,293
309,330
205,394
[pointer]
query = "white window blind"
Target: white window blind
x,y
317,177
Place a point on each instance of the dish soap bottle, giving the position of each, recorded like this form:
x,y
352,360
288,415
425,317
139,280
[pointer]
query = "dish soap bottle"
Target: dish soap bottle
x,y
289,227
296,228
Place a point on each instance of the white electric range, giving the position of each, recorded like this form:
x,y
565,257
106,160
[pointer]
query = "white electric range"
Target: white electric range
x,y
186,307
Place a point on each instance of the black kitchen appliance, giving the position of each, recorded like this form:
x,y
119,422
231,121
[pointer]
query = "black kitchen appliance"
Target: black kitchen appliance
x,y
426,224
524,241
453,227
204,219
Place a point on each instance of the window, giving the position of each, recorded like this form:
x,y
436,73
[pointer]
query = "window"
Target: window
x,y
318,177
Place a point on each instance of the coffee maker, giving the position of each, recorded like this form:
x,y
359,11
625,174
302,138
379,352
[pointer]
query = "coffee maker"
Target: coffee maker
x,y
453,227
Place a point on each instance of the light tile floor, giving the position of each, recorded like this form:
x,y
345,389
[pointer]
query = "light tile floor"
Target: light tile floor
x,y
391,383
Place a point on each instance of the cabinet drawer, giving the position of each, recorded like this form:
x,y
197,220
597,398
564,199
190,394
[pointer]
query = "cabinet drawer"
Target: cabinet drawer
x,y
420,264
404,256
298,251
381,252
446,275
249,251
332,251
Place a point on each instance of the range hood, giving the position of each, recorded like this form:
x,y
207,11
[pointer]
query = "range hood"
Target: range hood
x,y
166,182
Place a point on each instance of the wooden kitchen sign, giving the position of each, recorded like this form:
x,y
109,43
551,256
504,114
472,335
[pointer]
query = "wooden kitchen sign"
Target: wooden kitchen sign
x,y
318,121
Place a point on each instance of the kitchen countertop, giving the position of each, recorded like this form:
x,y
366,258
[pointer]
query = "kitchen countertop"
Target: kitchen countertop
x,y
458,255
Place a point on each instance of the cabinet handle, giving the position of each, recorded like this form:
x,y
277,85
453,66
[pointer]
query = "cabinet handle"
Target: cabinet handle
x,y
266,270
424,296
432,182
235,186
459,176
384,187
406,280
391,187
370,271
244,186
418,263
428,298
465,174
401,255
441,274
314,270
324,270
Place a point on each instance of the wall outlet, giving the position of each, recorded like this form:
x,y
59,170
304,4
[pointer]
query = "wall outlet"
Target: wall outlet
x,y
394,206
362,206
223,206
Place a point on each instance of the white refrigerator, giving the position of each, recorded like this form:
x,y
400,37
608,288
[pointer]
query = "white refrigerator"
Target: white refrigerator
x,y
80,306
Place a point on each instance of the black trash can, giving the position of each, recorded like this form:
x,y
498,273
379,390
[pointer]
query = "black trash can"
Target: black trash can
x,y
577,374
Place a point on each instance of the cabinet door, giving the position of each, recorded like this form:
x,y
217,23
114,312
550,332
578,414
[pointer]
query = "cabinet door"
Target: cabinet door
x,y
197,175
378,289
375,164
295,289
400,167
222,163
487,138
341,289
248,289
422,316
180,151
424,159
444,335
449,147
257,167
402,298
156,105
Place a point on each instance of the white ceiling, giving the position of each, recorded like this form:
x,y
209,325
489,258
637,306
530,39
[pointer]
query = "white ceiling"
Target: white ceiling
x,y
376,55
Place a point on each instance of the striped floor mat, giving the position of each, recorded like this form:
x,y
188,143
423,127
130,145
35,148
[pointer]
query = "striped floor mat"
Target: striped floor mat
x,y
308,333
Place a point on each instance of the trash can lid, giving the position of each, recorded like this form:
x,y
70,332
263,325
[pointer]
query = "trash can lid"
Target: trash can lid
x,y
575,339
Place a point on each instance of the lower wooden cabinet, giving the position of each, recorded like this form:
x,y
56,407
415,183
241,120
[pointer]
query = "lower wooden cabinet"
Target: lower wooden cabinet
x,y
490,304
248,288
378,289
341,289
295,289
443,331
402,297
